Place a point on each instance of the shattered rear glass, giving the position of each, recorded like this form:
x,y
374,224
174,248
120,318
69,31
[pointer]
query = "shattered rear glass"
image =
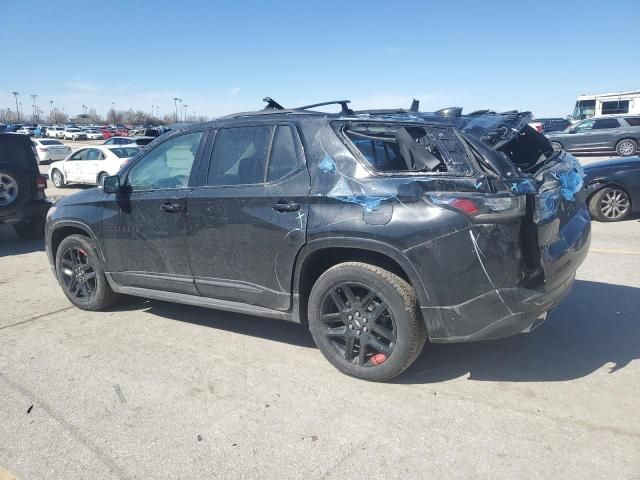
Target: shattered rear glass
x,y
409,148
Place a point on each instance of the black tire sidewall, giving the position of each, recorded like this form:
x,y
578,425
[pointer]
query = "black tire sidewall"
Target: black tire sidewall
x,y
98,301
402,351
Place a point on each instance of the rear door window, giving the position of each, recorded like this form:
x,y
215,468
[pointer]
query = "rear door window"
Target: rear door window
x,y
603,123
283,158
239,156
633,121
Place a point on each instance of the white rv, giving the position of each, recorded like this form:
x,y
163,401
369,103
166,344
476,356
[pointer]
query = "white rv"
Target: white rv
x,y
588,106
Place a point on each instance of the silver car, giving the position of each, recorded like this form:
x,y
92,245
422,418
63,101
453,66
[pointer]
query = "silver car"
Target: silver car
x,y
619,133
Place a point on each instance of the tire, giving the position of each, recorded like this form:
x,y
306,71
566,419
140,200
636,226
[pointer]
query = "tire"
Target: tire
x,y
397,326
101,178
14,190
611,204
57,178
556,146
626,147
81,276
32,229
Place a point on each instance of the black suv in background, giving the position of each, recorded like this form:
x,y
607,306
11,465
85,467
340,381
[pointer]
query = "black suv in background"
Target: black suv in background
x,y
22,200
612,133
377,229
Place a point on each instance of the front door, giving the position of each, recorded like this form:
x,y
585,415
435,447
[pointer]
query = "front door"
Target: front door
x,y
72,166
88,167
144,227
248,216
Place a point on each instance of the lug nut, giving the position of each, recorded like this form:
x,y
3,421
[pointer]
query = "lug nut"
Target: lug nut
x,y
357,314
365,319
358,332
365,329
350,317
350,327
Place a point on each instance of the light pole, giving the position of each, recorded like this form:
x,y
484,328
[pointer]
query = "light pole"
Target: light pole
x,y
175,104
35,106
15,94
185,106
51,111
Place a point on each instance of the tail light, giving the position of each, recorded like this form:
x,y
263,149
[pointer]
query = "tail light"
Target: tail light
x,y
41,182
540,128
483,208
43,149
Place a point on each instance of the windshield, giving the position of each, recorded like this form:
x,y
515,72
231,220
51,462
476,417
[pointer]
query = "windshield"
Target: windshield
x,y
584,109
125,152
50,142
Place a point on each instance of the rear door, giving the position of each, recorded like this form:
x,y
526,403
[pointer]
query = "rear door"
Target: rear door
x,y
605,133
248,216
144,227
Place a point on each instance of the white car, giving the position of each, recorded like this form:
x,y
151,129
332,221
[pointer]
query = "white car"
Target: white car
x,y
94,134
25,130
140,141
91,165
50,150
71,133
55,132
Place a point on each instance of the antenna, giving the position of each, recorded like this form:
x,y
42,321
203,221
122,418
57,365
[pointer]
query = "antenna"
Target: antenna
x,y
415,105
272,104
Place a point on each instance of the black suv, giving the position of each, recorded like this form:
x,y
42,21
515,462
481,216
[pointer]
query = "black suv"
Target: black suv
x,y
378,229
22,200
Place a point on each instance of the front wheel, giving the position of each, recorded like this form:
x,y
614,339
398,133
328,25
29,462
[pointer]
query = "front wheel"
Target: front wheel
x,y
626,147
611,204
365,321
57,178
81,276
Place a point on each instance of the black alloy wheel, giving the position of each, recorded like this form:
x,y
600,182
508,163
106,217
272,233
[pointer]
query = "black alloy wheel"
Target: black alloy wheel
x,y
78,274
358,324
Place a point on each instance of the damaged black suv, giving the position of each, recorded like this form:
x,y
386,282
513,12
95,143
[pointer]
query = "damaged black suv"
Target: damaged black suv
x,y
378,229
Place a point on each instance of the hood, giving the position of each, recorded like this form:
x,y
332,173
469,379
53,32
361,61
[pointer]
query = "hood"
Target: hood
x,y
626,162
90,195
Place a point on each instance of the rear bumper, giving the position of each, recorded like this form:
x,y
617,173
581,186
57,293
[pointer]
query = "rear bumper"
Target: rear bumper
x,y
35,209
496,314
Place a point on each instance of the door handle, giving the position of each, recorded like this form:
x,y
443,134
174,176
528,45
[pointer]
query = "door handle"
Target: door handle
x,y
286,206
171,207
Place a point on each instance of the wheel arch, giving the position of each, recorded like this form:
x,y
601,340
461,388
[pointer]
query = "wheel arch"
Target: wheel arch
x,y
62,230
319,255
602,183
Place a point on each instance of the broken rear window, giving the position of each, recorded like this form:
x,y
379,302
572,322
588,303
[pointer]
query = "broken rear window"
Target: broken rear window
x,y
414,148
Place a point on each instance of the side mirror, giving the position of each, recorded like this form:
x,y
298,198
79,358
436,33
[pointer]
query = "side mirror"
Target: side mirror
x,y
111,184
572,130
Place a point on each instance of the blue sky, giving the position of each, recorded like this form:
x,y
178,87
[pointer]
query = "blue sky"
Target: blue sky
x,y
222,57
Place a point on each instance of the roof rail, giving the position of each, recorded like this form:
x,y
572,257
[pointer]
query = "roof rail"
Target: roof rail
x,y
343,103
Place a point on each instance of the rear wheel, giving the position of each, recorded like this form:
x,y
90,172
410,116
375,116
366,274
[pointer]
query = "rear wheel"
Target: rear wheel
x,y
365,321
32,229
626,147
610,204
81,275
57,178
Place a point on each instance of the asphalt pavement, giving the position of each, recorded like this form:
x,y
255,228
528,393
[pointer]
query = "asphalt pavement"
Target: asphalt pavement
x,y
152,390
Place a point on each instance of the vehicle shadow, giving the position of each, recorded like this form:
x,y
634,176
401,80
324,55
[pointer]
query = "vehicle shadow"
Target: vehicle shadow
x,y
11,244
595,326
267,328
